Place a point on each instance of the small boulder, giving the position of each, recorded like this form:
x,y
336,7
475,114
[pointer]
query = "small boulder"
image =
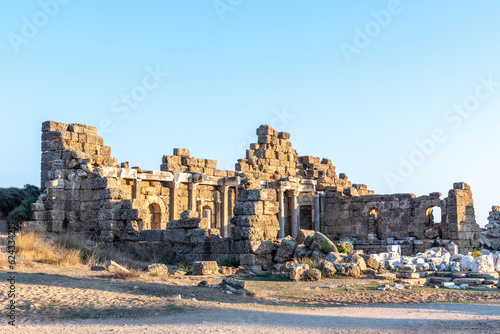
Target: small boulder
x,y
335,257
313,274
357,259
348,269
297,271
285,250
97,268
328,269
157,269
205,268
371,262
305,237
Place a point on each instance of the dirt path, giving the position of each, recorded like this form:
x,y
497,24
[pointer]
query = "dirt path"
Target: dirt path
x,y
428,318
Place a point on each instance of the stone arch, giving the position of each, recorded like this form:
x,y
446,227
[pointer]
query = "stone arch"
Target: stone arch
x,y
160,211
154,216
433,215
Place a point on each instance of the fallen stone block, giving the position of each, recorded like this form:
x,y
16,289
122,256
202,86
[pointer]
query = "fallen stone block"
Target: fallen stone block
x,y
386,276
297,271
285,250
468,281
205,268
112,265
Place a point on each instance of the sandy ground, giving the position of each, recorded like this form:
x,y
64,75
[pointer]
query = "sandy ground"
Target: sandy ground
x,y
393,318
53,299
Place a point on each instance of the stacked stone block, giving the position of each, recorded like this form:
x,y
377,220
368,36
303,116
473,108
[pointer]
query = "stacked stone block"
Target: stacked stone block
x,y
182,162
310,167
461,226
74,190
255,214
493,226
271,158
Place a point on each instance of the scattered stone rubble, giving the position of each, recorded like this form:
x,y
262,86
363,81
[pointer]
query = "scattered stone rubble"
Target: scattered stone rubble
x,y
490,236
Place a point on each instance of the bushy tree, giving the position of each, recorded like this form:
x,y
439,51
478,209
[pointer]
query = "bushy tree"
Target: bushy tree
x,y
15,203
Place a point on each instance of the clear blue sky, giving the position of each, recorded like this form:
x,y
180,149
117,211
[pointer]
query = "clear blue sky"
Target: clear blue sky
x,y
361,82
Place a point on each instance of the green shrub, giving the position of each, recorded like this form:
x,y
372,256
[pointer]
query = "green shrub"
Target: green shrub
x,y
231,262
184,266
15,203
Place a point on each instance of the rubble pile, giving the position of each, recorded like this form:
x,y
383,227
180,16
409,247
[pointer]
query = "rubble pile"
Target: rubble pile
x,y
442,267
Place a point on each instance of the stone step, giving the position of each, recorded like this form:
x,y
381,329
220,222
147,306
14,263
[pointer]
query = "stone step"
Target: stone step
x,y
408,275
413,281
443,274
469,281
492,275
439,280
386,276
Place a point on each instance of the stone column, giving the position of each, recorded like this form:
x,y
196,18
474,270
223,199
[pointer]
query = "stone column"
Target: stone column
x,y
174,191
317,213
136,193
192,197
224,226
295,213
281,213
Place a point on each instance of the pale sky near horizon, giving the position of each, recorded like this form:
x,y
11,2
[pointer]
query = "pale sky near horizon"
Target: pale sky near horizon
x,y
402,95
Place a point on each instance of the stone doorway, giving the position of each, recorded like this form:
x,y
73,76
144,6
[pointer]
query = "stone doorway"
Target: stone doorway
x,y
305,217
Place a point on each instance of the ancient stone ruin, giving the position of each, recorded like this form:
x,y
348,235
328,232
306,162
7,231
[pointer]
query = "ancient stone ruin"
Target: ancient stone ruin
x,y
193,211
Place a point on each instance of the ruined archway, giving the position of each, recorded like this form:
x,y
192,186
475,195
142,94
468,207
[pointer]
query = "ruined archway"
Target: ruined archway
x,y
374,217
433,215
154,216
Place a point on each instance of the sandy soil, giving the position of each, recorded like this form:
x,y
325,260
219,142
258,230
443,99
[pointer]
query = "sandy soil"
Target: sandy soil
x,y
417,318
48,294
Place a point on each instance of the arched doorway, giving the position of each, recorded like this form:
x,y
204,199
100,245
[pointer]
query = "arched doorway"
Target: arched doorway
x,y
154,216
374,217
433,215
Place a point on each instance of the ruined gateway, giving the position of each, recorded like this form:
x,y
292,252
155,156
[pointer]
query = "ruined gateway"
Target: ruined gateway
x,y
193,211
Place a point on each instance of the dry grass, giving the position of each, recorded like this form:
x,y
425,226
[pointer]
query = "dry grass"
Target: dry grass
x,y
67,249
318,264
32,246
126,275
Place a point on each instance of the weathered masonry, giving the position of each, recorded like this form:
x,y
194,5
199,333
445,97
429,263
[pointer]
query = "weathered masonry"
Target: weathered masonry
x,y
85,189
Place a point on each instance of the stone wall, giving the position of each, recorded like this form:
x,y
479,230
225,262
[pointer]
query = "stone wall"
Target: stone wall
x,y
273,193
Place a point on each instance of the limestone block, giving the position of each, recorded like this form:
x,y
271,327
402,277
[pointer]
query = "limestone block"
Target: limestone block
x,y
251,220
211,163
297,271
174,168
249,208
285,250
205,268
183,152
305,237
266,130
328,269
53,126
172,159
335,257
348,269
188,223
157,269
257,195
198,237
283,135
175,236
267,139
189,214
151,235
